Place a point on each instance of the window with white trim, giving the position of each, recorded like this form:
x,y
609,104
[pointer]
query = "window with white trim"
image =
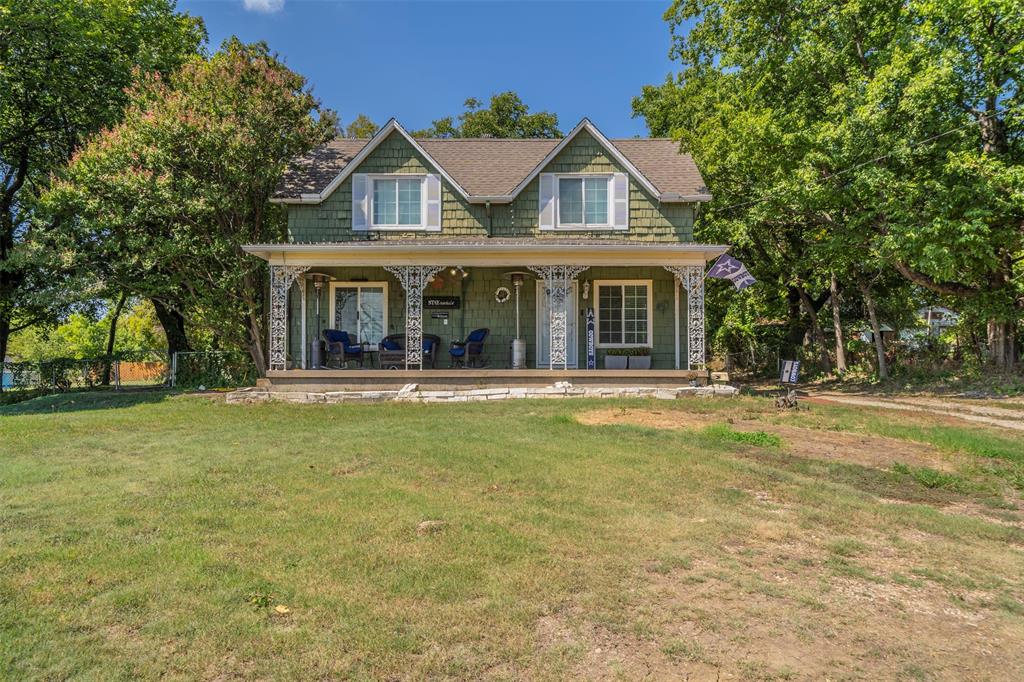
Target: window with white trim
x,y
582,200
623,313
397,202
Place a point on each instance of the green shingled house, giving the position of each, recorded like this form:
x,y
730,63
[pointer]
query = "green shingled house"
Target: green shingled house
x,y
564,249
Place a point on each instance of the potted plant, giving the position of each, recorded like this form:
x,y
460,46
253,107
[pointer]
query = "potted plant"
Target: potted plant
x,y
640,358
616,358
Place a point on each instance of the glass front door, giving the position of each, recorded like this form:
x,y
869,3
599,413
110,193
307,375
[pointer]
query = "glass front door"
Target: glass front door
x,y
360,309
544,327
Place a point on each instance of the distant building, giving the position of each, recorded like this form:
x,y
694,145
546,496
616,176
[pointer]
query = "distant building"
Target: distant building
x,y
937,319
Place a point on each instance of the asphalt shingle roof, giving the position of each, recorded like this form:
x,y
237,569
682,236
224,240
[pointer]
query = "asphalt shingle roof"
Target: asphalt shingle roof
x,y
494,167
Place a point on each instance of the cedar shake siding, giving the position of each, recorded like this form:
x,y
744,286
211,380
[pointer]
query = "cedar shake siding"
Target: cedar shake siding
x,y
649,220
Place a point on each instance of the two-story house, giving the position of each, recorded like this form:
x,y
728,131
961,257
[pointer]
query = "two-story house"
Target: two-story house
x,y
574,246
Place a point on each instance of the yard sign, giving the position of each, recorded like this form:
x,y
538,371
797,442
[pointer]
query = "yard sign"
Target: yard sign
x,y
790,371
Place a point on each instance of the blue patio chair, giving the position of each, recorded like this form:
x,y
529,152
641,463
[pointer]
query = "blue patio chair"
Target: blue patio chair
x,y
469,353
340,347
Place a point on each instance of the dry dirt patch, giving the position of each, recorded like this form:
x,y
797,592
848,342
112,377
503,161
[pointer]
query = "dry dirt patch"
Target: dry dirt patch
x,y
870,451
779,611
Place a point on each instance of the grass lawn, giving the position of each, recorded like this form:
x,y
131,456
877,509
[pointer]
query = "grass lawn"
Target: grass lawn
x,y
146,535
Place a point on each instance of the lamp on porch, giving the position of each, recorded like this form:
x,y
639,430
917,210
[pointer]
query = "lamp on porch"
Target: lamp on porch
x,y
319,279
518,348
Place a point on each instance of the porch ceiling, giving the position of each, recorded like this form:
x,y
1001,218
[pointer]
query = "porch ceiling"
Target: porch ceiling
x,y
492,252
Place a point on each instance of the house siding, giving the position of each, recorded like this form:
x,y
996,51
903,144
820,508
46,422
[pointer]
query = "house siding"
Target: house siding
x,y
479,309
649,220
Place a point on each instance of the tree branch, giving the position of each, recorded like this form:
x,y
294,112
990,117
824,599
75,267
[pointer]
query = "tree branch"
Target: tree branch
x,y
946,288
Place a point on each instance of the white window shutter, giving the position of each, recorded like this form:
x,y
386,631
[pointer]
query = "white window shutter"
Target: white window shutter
x,y
360,202
620,198
432,220
547,201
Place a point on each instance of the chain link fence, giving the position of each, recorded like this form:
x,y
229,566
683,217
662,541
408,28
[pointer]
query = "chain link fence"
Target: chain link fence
x,y
212,369
136,369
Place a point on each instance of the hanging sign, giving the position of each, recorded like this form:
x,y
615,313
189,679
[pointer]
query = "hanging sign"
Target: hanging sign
x,y
442,302
591,341
790,372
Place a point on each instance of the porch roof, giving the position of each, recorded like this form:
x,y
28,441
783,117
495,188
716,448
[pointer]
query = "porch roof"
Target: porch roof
x,y
489,252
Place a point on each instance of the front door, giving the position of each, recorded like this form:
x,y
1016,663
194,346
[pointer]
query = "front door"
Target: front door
x,y
544,327
360,308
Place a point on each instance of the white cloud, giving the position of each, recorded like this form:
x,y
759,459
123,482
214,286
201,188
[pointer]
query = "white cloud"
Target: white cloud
x,y
264,6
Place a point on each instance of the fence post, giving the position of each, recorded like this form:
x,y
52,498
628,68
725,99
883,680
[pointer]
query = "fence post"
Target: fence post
x,y
174,368
117,374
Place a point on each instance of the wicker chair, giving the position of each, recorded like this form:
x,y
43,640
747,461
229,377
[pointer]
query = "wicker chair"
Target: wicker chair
x,y
341,347
392,351
469,353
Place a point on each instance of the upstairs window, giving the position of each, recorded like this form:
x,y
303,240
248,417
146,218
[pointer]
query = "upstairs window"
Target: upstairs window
x,y
583,202
397,202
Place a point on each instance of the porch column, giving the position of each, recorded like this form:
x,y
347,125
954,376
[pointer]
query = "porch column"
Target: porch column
x,y
558,283
414,279
281,279
691,277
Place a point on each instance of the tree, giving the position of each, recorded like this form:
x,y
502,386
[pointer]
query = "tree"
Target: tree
x,y
86,333
361,128
64,66
173,192
862,137
507,116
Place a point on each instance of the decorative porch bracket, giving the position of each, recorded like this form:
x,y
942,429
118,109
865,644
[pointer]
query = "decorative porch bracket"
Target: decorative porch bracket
x,y
558,283
414,279
281,279
691,277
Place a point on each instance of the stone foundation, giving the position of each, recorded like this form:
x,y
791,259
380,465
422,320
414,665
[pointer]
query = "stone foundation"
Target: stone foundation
x,y
412,394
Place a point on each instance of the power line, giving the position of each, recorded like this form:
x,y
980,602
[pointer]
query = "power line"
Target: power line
x,y
850,169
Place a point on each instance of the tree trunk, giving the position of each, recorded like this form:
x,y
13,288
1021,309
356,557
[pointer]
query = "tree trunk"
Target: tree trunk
x,y
259,358
816,331
795,327
173,324
876,330
1001,346
837,325
5,335
111,337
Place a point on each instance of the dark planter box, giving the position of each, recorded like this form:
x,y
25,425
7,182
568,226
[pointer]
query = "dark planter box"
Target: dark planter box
x,y
615,361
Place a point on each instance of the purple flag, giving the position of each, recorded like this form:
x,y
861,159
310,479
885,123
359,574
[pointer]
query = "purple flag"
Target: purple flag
x,y
727,267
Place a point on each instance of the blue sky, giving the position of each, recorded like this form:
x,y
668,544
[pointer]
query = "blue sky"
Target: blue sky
x,y
420,60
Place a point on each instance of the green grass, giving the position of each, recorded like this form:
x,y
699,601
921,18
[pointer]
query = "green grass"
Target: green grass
x,y
148,535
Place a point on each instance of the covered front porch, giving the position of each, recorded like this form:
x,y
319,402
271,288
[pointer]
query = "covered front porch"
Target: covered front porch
x,y
575,310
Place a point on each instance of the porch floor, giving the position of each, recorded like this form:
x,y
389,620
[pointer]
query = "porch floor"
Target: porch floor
x,y
320,380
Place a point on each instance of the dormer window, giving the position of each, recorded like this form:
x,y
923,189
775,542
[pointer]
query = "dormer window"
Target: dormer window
x,y
397,202
583,201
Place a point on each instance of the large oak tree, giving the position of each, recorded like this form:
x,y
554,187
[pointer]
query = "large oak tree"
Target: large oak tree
x,y
64,67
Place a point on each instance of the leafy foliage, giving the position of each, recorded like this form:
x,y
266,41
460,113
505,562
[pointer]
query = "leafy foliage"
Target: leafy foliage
x,y
165,200
879,141
361,127
64,68
507,116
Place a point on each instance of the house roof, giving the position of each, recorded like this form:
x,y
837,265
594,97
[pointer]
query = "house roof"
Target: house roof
x,y
495,169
